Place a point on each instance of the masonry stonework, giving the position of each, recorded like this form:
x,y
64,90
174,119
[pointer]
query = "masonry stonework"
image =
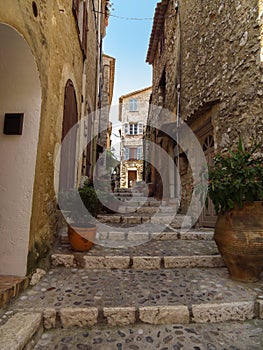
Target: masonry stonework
x,y
133,163
207,71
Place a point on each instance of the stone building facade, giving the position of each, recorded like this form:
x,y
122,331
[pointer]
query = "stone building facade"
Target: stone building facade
x,y
49,66
207,71
133,111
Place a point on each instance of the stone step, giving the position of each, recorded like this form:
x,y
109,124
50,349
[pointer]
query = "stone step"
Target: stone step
x,y
123,236
21,331
154,254
79,297
128,194
10,287
175,220
148,337
141,203
138,209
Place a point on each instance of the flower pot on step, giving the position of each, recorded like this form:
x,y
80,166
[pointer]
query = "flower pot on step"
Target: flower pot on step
x,y
81,237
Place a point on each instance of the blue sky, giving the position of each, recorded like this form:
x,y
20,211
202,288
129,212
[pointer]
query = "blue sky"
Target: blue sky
x,y
127,41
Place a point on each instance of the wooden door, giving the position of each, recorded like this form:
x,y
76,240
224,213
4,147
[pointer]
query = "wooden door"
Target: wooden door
x,y
68,148
208,216
132,177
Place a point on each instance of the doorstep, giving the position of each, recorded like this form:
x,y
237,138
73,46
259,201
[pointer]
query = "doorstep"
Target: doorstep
x,y
10,287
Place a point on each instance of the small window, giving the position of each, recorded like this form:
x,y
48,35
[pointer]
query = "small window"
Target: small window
x,y
133,105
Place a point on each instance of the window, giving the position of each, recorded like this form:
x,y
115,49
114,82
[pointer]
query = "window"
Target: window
x,y
80,12
133,129
133,105
133,153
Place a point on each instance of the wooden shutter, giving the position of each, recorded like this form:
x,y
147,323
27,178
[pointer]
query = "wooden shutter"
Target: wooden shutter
x,y
85,29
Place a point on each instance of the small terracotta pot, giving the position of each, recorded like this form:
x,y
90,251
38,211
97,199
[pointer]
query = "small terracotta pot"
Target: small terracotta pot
x,y
239,238
81,238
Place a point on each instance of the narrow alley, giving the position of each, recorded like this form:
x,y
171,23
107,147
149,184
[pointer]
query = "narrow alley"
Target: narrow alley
x,y
131,185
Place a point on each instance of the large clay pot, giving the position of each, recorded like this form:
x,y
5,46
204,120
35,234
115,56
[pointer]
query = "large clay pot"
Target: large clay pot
x,y
239,237
81,237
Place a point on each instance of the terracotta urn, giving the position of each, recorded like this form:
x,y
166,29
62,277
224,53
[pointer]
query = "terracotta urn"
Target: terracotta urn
x,y
239,238
81,237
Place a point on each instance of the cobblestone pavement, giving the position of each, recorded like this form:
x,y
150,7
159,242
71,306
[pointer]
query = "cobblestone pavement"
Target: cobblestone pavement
x,y
154,247
63,287
234,336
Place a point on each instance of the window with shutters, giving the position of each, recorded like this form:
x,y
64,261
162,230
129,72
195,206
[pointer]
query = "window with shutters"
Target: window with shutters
x,y
133,129
80,13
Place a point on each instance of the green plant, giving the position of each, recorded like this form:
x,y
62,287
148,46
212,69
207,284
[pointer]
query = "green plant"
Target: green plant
x,y
90,199
69,201
236,177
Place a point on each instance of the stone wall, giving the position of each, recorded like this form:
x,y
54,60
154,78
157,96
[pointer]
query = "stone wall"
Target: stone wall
x,y
221,61
130,165
209,52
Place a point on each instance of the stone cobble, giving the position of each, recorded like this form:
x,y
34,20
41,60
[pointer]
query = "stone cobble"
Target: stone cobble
x,y
237,336
156,247
62,287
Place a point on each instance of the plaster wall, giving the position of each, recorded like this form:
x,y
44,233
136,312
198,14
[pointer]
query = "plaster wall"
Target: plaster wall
x,y
53,39
20,91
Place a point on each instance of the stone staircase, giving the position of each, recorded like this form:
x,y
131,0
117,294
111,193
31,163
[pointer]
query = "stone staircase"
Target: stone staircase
x,y
160,287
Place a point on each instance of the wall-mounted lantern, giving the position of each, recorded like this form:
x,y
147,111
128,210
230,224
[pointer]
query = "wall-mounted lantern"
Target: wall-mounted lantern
x,y
13,124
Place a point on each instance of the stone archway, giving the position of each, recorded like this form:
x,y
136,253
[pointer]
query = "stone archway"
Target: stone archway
x,y
20,92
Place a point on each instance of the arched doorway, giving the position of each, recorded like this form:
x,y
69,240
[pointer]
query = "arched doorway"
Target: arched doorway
x,y
67,173
20,92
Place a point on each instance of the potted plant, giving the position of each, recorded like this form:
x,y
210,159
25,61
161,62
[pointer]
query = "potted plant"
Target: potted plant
x,y
236,189
82,205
